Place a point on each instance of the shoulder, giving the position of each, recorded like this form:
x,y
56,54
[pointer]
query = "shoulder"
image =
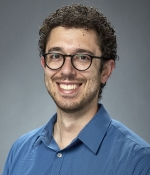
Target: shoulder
x,y
135,150
20,148
31,134
128,135
27,140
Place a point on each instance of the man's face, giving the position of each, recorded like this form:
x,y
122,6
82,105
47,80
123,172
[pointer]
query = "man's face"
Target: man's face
x,y
73,90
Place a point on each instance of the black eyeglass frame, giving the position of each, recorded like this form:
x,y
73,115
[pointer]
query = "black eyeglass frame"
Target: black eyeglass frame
x,y
64,58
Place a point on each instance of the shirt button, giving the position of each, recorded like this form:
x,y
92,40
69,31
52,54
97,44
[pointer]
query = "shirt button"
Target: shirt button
x,y
59,155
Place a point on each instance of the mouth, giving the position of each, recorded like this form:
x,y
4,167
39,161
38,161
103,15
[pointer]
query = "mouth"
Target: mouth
x,y
68,87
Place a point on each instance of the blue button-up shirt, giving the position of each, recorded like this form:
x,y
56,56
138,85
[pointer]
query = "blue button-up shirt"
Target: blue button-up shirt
x,y
103,147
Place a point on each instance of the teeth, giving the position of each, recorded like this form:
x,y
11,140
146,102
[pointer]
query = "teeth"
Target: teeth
x,y
68,87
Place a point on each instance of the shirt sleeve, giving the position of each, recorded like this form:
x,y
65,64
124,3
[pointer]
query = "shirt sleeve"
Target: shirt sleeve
x,y
139,163
7,166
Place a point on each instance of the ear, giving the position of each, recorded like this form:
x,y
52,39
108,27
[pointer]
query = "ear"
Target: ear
x,y
42,62
107,70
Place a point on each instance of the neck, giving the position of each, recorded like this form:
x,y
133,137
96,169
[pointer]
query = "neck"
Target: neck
x,y
69,125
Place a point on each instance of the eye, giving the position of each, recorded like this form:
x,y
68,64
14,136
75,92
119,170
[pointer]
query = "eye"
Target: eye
x,y
83,58
55,56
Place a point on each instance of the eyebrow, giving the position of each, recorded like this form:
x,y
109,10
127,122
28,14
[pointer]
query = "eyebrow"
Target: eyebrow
x,y
77,50
55,49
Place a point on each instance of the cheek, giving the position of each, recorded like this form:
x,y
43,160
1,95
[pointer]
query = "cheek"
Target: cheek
x,y
94,75
50,86
49,74
47,78
46,81
94,82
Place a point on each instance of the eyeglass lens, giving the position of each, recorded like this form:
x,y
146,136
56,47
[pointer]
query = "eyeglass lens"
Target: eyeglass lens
x,y
80,61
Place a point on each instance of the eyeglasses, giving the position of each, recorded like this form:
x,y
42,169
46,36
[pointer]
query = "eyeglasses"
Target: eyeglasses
x,y
80,62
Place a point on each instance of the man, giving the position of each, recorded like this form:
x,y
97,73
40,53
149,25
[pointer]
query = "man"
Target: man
x,y
78,52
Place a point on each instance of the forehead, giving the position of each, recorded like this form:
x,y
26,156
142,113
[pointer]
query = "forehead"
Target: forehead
x,y
72,38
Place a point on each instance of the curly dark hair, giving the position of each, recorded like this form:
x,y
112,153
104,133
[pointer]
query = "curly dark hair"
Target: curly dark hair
x,y
80,16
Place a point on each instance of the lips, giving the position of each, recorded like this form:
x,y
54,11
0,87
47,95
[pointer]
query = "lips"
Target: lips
x,y
68,87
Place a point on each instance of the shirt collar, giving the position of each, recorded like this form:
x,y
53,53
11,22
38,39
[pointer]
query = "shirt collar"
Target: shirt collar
x,y
91,135
46,133
94,132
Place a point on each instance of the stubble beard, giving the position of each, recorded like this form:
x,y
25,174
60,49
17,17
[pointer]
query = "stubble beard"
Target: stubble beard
x,y
82,102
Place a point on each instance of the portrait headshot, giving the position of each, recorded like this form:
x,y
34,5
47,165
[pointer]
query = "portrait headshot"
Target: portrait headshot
x,y
75,88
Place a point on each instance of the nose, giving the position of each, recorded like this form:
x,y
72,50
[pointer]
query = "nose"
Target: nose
x,y
67,69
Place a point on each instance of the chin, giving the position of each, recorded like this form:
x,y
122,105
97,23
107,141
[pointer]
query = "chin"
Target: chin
x,y
72,104
69,107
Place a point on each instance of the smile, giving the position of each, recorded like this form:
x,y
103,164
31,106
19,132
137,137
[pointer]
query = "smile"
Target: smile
x,y
68,87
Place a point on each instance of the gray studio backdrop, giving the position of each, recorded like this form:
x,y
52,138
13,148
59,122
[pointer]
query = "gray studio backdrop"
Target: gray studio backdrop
x,y
24,101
